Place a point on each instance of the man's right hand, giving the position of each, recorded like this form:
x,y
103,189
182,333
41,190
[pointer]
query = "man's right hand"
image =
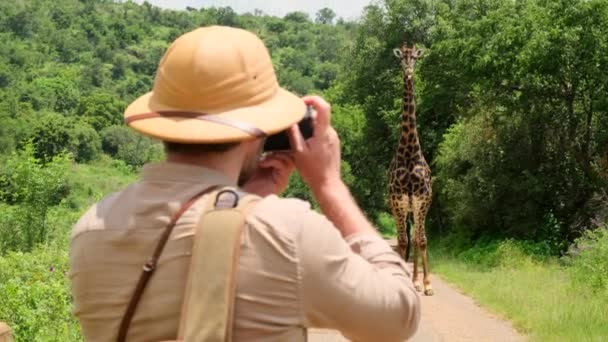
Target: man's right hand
x,y
318,158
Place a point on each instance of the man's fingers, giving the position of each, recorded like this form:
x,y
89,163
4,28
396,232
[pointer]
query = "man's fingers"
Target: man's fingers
x,y
296,140
323,109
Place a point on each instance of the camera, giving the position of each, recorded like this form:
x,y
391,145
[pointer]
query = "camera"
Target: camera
x,y
280,141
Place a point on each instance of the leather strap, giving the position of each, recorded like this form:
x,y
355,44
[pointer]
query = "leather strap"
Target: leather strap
x,y
243,126
150,266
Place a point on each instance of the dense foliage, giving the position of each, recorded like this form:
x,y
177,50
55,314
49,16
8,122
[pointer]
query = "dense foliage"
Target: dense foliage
x,y
511,105
512,114
68,67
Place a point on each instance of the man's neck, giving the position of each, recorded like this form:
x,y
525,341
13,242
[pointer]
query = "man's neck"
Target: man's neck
x,y
228,163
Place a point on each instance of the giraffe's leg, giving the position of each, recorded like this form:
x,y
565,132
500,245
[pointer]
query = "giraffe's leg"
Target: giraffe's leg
x,y
421,207
415,279
399,206
408,228
402,240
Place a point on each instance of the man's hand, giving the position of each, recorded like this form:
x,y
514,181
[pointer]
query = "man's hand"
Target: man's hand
x,y
318,162
271,176
318,158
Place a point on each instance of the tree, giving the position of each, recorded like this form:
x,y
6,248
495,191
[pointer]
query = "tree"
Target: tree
x,y
101,110
135,150
86,142
325,74
5,75
297,17
58,94
528,98
7,141
51,136
276,26
55,134
325,16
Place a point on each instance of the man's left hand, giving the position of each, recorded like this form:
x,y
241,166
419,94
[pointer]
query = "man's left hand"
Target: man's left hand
x,y
272,175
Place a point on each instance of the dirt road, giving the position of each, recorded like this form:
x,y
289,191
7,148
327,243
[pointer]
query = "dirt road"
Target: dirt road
x,y
447,316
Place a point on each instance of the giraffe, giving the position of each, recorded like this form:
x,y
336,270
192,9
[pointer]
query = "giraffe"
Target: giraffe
x,y
410,187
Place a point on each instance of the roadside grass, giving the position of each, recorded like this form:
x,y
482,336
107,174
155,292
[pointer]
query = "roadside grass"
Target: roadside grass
x,y
540,297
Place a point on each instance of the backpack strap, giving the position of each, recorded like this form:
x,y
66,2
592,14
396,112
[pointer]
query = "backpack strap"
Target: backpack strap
x,y
208,306
150,266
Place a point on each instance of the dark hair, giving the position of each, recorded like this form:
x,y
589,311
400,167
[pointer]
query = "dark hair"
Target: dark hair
x,y
172,147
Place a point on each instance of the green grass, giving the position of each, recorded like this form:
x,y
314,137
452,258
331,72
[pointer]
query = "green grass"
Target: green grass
x,y
96,180
539,298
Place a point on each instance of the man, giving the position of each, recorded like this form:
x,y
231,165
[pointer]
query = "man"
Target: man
x,y
214,100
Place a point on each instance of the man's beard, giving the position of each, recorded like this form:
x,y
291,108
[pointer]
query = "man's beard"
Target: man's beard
x,y
248,170
250,166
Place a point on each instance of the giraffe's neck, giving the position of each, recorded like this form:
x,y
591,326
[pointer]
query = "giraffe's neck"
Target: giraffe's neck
x,y
409,133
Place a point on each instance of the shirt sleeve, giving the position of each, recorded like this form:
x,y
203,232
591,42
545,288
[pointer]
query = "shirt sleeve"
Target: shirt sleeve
x,y
357,285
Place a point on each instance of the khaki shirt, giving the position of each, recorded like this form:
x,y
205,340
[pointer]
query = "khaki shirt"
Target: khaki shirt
x,y
295,271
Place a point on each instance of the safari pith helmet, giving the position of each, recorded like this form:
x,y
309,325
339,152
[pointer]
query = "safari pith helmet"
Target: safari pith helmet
x,y
214,85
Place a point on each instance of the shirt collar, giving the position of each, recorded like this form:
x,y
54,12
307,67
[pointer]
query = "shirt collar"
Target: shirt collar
x,y
183,173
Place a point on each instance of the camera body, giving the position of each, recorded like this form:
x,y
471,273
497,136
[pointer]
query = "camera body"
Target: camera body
x,y
280,141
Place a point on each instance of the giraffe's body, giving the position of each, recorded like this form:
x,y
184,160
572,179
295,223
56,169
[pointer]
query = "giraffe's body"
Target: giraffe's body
x,y
410,187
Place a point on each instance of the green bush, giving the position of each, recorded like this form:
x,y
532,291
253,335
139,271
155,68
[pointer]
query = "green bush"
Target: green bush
x,y
54,134
58,94
51,135
25,179
15,128
590,260
35,295
101,110
134,149
86,142
386,224
114,137
297,188
29,189
7,140
486,253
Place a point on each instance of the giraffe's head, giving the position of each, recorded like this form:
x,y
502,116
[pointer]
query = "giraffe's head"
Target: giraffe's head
x,y
408,57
